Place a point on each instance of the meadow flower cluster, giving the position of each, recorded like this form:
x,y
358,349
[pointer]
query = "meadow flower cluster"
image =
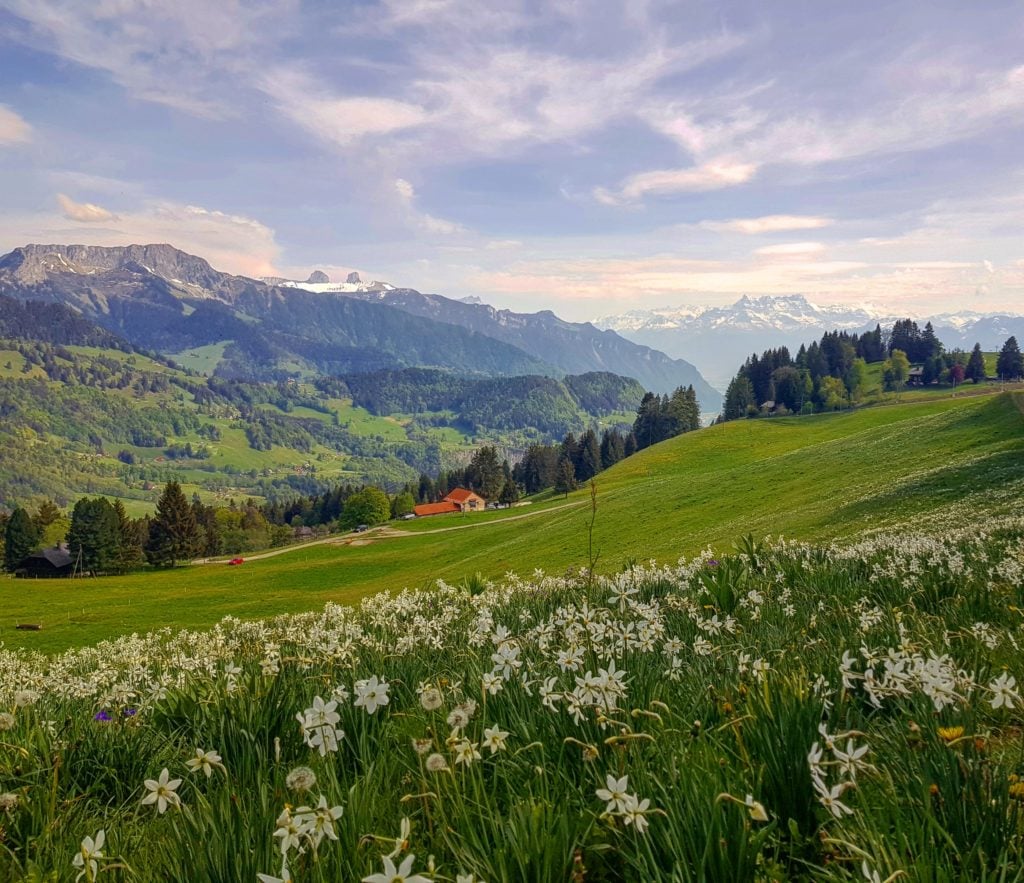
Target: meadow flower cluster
x,y
782,712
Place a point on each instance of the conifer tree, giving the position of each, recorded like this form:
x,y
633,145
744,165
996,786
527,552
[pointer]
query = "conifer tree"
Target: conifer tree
x,y
739,398
94,538
976,365
1010,365
130,538
613,448
21,537
565,476
174,536
509,493
589,462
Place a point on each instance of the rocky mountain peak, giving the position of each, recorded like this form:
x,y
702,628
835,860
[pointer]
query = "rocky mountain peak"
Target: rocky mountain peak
x,y
318,277
32,264
352,279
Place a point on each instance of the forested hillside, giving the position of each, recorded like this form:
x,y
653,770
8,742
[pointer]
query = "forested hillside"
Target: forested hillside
x,y
86,420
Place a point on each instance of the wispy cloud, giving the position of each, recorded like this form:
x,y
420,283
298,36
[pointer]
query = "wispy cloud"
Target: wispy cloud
x,y
86,212
667,182
790,249
13,129
428,223
337,119
768,224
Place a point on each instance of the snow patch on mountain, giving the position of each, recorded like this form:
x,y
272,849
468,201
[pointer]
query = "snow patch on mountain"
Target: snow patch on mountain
x,y
320,283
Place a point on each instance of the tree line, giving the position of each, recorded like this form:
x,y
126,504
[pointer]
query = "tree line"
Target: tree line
x,y
832,373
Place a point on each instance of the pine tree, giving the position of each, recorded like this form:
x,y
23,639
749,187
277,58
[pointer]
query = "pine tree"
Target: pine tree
x,y
630,447
174,536
1010,365
565,476
645,426
130,538
486,473
613,448
976,365
509,493
21,539
739,398
94,537
589,463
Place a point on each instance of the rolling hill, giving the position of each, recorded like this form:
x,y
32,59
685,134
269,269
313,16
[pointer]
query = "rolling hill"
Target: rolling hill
x,y
920,466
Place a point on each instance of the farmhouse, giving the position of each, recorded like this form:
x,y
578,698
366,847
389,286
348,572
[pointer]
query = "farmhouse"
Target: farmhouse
x,y
467,501
459,500
46,563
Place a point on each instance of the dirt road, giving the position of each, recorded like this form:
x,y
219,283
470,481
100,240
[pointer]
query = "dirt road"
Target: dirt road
x,y
384,532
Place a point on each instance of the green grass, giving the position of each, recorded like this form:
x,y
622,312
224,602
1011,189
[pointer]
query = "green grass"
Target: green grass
x,y
16,361
823,477
204,359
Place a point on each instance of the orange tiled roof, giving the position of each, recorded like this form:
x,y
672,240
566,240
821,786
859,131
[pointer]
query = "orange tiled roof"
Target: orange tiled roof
x,y
460,495
434,509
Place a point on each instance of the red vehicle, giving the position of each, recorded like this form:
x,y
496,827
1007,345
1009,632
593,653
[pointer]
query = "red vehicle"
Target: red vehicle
x,y
236,561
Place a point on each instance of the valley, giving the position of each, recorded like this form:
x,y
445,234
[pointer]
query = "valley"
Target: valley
x,y
914,466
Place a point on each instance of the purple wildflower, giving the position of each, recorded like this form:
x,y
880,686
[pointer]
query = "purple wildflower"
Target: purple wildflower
x,y
101,715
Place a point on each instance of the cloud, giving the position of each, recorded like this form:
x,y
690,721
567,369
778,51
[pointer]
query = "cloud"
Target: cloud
x,y
86,212
341,120
767,224
13,129
428,223
188,54
666,182
790,249
760,124
404,189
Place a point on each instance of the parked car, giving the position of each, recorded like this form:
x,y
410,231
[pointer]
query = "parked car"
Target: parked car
x,y
236,561
409,516
361,528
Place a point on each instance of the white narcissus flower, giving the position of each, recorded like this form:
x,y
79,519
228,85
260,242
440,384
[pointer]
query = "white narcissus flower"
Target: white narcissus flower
x,y
288,831
615,793
205,761
465,752
494,739
634,812
401,874
1004,692
87,855
162,791
371,694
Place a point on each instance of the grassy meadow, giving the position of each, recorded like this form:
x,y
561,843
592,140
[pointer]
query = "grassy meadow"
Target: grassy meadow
x,y
786,712
921,466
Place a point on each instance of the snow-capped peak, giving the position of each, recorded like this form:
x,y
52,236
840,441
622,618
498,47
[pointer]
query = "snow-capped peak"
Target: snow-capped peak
x,y
320,283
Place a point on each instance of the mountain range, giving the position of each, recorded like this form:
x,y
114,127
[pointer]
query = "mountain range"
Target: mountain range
x,y
718,339
162,299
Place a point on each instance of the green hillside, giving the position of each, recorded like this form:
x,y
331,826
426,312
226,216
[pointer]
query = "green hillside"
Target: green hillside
x,y
923,464
77,420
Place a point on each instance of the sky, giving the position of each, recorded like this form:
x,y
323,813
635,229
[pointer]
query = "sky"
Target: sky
x,y
586,157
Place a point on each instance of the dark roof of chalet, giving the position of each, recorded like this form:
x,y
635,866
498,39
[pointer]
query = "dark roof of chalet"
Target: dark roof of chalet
x,y
58,557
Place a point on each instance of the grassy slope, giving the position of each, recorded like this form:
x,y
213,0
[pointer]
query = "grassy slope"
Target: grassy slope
x,y
813,477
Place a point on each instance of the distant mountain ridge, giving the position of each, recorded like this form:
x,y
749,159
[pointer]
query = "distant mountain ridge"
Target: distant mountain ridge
x,y
573,347
718,339
163,299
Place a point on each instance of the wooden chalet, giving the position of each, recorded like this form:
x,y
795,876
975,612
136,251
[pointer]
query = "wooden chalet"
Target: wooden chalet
x,y
46,564
459,500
